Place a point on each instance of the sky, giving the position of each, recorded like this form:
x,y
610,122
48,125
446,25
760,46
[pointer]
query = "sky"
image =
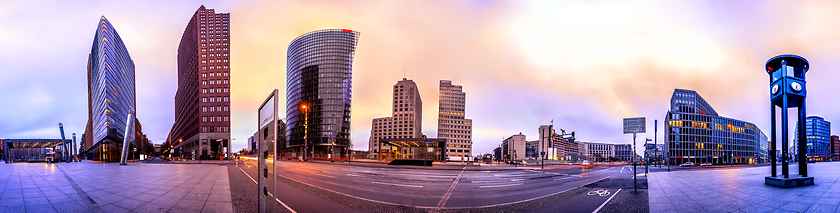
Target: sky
x,y
583,64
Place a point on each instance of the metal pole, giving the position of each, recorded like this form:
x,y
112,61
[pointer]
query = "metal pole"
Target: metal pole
x,y
73,149
305,131
129,131
773,140
803,149
785,137
655,147
63,142
634,163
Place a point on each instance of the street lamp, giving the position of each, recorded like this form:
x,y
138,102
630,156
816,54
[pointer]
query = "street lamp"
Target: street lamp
x,y
305,130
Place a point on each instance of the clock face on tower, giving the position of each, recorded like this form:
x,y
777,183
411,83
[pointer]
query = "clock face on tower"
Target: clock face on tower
x,y
796,87
775,89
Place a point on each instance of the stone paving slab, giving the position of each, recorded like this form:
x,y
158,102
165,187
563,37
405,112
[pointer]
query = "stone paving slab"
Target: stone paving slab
x,y
109,187
742,189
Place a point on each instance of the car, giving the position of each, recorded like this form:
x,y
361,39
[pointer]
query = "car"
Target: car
x,y
706,164
687,164
812,161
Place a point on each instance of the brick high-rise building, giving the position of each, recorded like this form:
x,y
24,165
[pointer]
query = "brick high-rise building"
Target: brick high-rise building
x,y
451,123
406,120
835,148
202,102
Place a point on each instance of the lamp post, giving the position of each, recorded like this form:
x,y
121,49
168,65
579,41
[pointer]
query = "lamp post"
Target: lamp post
x,y
305,130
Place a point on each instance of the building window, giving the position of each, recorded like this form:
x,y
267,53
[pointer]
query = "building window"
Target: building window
x,y
226,118
203,90
204,100
203,68
226,109
204,109
211,74
226,73
212,81
203,129
204,119
226,89
212,119
226,99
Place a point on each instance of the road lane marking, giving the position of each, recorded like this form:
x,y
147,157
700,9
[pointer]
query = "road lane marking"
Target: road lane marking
x,y
397,184
495,181
605,202
249,176
322,175
448,193
494,186
562,178
275,198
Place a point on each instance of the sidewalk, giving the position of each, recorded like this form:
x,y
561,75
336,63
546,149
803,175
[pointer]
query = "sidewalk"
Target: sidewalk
x,y
109,187
742,189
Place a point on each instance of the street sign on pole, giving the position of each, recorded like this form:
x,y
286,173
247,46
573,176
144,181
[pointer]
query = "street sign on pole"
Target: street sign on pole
x,y
634,125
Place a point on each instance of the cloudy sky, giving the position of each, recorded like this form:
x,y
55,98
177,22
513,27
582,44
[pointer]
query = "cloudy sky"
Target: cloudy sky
x,y
584,64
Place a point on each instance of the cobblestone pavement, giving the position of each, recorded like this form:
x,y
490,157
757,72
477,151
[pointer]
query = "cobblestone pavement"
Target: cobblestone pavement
x,y
742,189
109,187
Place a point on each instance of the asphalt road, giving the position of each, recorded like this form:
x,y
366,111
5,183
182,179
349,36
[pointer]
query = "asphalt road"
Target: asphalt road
x,y
439,188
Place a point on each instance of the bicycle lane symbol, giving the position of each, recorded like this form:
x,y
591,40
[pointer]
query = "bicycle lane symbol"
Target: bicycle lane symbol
x,y
600,192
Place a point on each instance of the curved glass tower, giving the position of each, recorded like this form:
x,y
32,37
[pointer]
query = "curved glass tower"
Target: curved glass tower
x,y
111,93
318,88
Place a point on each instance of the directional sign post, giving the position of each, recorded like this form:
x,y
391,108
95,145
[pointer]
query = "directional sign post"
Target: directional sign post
x,y
634,125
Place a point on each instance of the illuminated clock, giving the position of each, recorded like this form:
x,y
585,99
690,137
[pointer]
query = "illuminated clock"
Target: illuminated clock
x,y
796,86
775,89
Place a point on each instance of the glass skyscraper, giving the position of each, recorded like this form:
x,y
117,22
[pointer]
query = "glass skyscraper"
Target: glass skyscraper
x,y
696,133
318,89
111,94
817,137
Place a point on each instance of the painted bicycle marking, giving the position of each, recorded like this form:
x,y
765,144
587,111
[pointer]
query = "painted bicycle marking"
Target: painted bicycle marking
x,y
600,192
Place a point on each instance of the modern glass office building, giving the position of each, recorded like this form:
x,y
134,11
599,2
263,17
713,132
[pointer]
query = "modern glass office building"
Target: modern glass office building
x,y
318,90
817,138
696,133
111,94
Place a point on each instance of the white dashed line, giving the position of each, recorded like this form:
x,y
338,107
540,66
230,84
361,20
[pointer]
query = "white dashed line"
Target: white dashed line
x,y
494,186
396,184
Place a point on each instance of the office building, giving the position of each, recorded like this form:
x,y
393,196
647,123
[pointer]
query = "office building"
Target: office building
x,y
835,148
202,101
111,96
696,133
606,152
452,125
817,138
560,146
406,119
513,148
318,91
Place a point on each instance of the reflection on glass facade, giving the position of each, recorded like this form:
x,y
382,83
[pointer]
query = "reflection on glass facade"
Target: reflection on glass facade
x,y
319,74
817,137
696,133
111,88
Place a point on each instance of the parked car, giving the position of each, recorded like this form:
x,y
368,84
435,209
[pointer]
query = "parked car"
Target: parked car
x,y
687,164
706,164
812,161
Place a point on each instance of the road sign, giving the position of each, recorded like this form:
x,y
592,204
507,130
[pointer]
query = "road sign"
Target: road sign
x,y
634,125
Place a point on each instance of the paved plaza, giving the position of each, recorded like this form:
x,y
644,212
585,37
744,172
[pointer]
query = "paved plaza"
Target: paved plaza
x,y
742,189
109,187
